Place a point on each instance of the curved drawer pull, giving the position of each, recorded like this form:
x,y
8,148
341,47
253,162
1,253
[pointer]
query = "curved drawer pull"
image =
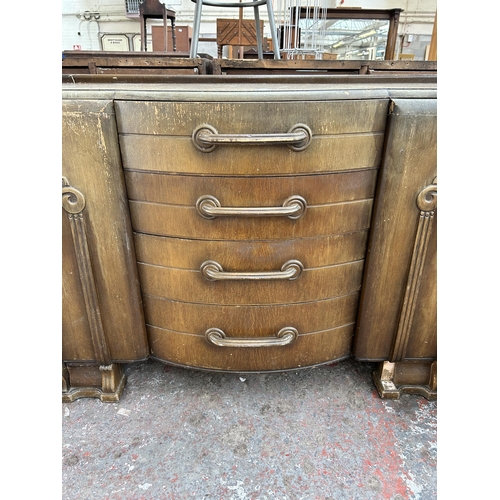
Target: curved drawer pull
x,y
206,138
285,336
209,207
212,271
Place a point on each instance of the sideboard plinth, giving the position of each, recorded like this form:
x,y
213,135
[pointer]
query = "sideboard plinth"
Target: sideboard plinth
x,y
406,377
92,381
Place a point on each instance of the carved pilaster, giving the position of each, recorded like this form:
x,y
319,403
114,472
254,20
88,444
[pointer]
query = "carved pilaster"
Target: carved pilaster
x,y
397,376
73,203
427,204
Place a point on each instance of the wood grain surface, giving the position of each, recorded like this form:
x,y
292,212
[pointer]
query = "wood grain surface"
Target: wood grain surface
x,y
312,284
410,164
91,162
248,320
195,351
181,118
252,255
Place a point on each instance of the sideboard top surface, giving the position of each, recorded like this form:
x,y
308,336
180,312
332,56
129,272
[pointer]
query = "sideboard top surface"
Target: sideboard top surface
x,y
251,88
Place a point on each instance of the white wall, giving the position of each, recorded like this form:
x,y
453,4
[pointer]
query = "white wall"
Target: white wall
x,y
417,19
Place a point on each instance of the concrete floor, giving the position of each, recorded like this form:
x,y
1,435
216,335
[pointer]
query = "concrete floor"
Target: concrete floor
x,y
314,434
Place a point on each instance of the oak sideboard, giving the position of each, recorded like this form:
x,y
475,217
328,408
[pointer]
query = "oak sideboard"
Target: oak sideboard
x,y
249,223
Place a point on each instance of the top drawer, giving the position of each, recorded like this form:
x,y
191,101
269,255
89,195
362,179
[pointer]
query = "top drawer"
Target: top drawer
x,y
158,136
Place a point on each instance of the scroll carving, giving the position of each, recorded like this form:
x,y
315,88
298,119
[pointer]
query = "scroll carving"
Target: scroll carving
x,y
427,204
73,203
73,200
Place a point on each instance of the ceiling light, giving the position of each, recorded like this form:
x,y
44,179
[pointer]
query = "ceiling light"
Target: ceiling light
x,y
370,33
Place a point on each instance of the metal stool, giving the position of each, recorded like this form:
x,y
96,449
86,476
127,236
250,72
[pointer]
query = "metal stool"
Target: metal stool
x,y
253,3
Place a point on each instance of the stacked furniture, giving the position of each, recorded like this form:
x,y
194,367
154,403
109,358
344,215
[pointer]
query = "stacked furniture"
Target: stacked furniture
x,y
249,223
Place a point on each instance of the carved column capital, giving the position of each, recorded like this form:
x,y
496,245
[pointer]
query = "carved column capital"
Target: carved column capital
x,y
427,198
73,200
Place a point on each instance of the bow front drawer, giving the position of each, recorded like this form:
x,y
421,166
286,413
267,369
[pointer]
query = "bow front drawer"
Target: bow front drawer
x,y
251,138
186,206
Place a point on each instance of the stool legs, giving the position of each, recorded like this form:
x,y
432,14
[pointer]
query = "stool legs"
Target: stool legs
x,y
274,33
259,34
193,52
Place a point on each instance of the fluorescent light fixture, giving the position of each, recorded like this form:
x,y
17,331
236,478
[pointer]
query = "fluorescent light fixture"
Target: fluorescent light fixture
x,y
370,33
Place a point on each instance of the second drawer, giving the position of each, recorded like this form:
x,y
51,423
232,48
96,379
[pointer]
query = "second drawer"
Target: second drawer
x,y
215,208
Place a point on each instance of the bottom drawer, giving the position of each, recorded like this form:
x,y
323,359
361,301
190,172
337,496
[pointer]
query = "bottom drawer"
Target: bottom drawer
x,y
324,332
195,351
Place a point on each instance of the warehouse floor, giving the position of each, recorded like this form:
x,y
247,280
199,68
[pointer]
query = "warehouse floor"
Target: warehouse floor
x,y
320,433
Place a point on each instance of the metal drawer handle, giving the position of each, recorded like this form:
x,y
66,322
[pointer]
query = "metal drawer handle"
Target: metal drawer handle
x,y
212,271
285,336
209,207
206,138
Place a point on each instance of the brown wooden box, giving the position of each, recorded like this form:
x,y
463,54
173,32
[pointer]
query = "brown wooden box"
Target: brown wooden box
x,y
183,35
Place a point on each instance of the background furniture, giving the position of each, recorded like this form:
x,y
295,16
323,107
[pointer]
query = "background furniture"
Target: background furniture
x,y
154,9
391,15
255,4
140,64
239,33
266,222
183,35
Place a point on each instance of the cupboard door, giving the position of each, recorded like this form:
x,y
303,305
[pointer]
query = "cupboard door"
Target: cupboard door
x,y
91,165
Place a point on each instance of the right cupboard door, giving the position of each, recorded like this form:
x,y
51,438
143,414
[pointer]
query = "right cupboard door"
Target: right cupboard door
x,y
397,318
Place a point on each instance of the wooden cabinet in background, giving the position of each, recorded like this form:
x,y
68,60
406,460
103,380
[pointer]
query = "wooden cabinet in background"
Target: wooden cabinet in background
x,y
183,35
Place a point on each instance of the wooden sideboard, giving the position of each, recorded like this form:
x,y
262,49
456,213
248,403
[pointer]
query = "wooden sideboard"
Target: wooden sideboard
x,y
249,224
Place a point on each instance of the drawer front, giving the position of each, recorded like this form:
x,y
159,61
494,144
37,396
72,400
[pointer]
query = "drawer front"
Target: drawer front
x,y
158,136
167,205
306,350
185,222
191,286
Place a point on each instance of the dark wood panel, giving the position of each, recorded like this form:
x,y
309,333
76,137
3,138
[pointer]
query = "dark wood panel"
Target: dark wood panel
x,y
179,155
409,166
181,118
247,191
253,255
312,284
250,321
195,351
91,163
315,70
185,222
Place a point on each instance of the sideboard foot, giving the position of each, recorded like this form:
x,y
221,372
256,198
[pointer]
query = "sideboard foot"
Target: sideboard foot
x,y
92,381
406,377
